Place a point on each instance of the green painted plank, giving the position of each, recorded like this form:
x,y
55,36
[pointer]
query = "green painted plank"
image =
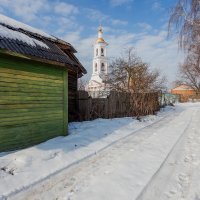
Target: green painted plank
x,y
15,120
30,74
29,82
32,136
25,120
31,98
30,94
32,106
33,128
34,124
18,114
10,102
8,111
29,78
26,97
49,91
27,86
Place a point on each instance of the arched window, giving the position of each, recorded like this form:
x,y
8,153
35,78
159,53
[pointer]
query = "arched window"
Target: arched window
x,y
102,67
102,52
96,52
95,69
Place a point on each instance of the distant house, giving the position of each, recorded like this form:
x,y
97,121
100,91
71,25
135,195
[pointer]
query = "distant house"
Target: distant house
x,y
38,80
185,92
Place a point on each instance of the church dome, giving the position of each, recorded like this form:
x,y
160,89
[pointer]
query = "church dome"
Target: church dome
x,y
100,40
100,35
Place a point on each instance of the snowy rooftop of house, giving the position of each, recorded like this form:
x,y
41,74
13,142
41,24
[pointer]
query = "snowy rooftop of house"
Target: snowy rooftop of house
x,y
19,25
183,87
24,39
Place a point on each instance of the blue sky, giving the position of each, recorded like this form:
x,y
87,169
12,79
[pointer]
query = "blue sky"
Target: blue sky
x,y
141,24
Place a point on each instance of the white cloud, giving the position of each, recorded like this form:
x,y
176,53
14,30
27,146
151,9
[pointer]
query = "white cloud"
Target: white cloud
x,y
65,9
160,53
119,43
119,2
157,6
26,9
96,15
66,22
1,10
144,26
118,22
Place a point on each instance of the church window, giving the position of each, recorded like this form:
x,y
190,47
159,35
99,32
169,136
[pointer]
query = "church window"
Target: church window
x,y
95,67
96,52
102,52
102,67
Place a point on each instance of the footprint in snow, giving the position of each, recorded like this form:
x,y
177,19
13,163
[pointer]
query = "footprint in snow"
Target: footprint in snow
x,y
170,194
173,192
53,155
183,179
187,159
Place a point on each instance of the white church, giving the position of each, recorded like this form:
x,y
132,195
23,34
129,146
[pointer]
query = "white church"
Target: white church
x,y
97,86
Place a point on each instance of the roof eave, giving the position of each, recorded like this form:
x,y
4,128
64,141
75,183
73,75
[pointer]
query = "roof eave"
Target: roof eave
x,y
34,58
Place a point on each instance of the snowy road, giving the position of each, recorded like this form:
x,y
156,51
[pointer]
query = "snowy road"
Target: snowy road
x,y
179,177
161,161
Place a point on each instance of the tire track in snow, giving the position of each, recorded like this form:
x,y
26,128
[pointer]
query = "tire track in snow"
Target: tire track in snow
x,y
173,180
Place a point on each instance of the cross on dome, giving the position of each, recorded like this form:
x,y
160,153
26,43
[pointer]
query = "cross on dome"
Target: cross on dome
x,y
100,35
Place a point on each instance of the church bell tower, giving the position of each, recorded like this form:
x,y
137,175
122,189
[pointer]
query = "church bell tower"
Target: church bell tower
x,y
99,64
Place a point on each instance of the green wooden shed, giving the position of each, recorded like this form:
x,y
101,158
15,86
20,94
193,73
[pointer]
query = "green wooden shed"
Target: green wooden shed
x,y
34,68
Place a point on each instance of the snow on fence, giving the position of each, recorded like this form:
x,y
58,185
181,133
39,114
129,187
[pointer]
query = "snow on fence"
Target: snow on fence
x,y
117,105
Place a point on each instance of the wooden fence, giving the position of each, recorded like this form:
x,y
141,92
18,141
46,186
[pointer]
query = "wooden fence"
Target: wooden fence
x,y
116,105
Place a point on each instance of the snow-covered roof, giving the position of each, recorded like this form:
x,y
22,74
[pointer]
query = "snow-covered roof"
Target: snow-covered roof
x,y
24,39
19,25
15,35
183,87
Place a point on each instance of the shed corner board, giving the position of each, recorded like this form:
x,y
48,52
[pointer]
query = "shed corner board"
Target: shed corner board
x,y
65,102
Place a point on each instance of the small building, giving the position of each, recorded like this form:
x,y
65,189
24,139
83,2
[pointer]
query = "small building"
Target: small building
x,y
38,80
184,91
97,86
169,98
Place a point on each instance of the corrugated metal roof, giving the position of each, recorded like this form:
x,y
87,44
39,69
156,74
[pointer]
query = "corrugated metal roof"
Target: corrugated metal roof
x,y
48,50
53,52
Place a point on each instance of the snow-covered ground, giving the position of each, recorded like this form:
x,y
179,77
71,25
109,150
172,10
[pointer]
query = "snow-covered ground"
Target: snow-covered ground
x,y
111,159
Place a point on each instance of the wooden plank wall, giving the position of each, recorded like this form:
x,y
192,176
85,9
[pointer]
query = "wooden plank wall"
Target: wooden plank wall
x,y
117,105
32,100
72,95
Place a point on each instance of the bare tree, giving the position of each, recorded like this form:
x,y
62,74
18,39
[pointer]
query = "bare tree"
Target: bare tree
x,y
81,84
185,19
190,71
131,74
